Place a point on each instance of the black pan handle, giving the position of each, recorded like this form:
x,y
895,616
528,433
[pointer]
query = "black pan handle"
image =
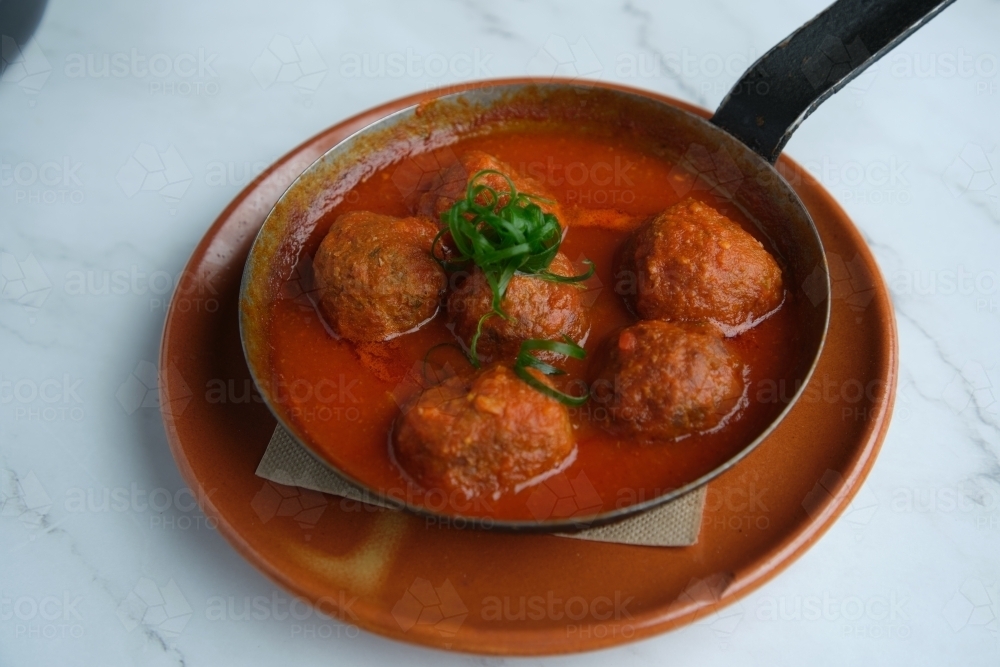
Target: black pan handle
x,y
776,94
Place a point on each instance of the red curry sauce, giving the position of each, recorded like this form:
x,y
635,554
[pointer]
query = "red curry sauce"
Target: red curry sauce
x,y
347,397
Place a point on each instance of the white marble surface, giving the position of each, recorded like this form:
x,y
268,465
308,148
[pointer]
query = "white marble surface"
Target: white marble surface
x,y
911,151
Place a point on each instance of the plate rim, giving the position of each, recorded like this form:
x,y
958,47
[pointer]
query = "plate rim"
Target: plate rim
x,y
756,573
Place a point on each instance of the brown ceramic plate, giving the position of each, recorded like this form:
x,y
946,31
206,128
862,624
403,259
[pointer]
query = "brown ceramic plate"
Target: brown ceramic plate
x,y
490,592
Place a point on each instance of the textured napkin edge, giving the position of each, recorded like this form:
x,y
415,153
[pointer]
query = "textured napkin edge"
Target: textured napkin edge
x,y
673,524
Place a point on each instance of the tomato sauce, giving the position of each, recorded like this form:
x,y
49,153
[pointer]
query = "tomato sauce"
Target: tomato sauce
x,y
346,397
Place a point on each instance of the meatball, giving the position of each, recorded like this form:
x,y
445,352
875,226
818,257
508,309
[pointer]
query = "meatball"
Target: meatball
x,y
453,181
376,277
660,381
693,264
537,308
482,436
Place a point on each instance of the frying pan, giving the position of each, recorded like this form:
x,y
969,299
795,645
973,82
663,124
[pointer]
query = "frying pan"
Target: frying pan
x,y
733,155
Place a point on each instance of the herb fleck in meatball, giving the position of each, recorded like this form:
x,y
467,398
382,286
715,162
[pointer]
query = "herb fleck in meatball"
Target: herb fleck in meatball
x,y
537,308
482,436
376,277
660,381
693,264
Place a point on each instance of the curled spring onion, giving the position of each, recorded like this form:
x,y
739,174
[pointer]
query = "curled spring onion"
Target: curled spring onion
x,y
502,240
525,360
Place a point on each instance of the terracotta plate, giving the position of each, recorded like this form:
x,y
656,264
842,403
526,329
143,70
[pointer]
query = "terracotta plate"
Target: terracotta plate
x,y
491,592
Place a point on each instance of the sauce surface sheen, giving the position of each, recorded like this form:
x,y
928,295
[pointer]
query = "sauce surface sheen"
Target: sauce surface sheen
x,y
346,397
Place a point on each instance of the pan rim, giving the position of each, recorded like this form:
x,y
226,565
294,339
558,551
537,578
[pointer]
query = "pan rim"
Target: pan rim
x,y
498,86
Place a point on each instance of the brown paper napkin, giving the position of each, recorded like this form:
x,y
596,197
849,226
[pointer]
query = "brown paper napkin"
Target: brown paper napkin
x,y
673,524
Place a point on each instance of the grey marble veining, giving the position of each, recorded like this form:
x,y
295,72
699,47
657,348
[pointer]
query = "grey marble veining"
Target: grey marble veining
x,y
125,128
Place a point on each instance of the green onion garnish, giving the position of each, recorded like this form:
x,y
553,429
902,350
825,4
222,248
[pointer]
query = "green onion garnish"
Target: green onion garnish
x,y
525,360
502,240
